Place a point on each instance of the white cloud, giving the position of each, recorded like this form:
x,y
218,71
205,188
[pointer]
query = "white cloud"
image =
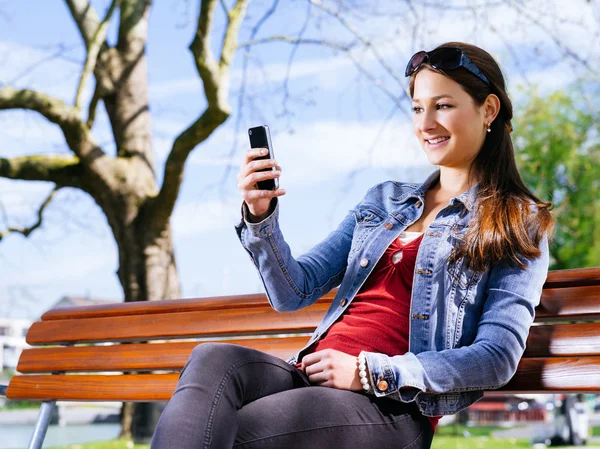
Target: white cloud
x,y
35,68
201,217
323,150
571,27
319,150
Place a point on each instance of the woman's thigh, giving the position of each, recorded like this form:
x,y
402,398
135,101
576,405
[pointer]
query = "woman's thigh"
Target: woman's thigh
x,y
321,417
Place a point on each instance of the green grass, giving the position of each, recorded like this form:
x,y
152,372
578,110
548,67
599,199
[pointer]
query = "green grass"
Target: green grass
x,y
439,442
448,442
112,444
452,430
445,438
451,437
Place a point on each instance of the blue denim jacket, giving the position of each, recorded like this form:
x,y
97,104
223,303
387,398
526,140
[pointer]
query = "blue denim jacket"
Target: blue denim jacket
x,y
467,329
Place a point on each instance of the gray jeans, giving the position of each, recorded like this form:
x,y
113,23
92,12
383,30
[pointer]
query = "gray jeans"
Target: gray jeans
x,y
229,396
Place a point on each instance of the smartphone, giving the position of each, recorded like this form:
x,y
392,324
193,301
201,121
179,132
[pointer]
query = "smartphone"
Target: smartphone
x,y
261,138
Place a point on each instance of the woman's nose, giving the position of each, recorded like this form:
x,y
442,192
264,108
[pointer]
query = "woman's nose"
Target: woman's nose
x,y
426,121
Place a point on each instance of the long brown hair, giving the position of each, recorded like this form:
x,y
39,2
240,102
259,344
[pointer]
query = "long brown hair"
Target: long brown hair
x,y
505,226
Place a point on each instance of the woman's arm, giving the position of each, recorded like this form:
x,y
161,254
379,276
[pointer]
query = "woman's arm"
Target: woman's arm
x,y
292,284
492,359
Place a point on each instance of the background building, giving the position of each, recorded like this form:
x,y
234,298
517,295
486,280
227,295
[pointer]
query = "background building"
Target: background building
x,y
12,341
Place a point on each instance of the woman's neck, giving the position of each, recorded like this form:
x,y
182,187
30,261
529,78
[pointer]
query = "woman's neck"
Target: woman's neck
x,y
454,181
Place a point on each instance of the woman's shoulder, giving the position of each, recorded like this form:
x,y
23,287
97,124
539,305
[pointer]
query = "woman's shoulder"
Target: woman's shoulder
x,y
390,190
396,186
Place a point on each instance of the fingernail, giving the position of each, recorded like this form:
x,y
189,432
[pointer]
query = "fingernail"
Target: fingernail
x,y
282,190
263,151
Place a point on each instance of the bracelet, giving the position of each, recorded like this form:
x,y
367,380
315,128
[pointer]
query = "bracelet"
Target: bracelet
x,y
362,371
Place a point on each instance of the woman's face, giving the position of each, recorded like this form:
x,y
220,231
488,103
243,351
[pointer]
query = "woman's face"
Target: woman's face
x,y
447,122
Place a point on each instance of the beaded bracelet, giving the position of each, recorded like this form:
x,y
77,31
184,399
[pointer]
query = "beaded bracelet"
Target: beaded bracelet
x,y
362,371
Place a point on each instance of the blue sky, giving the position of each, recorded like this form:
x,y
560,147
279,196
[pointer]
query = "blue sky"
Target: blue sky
x,y
339,123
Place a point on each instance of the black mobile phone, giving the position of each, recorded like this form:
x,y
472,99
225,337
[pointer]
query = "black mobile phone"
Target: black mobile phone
x,y
261,138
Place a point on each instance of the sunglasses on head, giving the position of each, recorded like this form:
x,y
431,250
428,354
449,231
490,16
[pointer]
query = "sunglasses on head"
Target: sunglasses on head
x,y
447,58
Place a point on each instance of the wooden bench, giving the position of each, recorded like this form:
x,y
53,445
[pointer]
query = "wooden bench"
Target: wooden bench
x,y
133,351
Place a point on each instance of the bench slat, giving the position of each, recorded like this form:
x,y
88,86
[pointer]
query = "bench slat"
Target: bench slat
x,y
555,279
137,357
569,303
258,318
574,374
124,387
544,341
207,324
563,340
573,277
170,305
533,375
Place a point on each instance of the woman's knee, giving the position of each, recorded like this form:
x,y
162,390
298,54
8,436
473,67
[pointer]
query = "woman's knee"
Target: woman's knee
x,y
214,353
213,357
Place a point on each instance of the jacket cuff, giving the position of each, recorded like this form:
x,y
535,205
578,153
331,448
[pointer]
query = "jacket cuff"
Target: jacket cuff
x,y
263,228
392,380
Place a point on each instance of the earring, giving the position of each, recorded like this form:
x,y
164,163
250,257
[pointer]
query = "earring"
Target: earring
x,y
488,126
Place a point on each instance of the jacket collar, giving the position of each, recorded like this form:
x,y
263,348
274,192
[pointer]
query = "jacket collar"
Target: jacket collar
x,y
467,198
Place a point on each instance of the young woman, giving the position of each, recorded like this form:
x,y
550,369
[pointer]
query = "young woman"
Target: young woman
x,y
438,283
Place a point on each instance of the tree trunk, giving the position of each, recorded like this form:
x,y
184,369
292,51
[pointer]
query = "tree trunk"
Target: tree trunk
x,y
147,272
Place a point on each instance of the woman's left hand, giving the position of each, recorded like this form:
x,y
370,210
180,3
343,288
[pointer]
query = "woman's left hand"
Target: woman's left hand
x,y
331,368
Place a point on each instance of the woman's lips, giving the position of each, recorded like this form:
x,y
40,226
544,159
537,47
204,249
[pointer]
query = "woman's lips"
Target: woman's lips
x,y
438,144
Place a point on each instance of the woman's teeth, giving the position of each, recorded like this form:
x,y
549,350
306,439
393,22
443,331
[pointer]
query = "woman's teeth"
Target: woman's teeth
x,y
438,140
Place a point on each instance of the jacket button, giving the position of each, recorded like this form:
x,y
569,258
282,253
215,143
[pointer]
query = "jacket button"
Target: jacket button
x,y
388,226
364,262
343,302
382,385
418,203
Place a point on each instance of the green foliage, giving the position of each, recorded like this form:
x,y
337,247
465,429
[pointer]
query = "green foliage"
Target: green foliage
x,y
19,405
557,146
439,442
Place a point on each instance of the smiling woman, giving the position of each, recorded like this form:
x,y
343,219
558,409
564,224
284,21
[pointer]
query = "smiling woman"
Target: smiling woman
x,y
438,283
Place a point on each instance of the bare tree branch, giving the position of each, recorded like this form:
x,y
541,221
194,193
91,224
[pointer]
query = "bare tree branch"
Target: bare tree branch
x,y
63,170
203,56
296,41
76,133
29,230
93,106
229,45
347,50
567,52
241,97
86,19
59,53
94,47
286,89
367,43
225,8
215,78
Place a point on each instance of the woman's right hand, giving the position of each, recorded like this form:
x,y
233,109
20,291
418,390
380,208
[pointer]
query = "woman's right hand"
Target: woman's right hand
x,y
258,201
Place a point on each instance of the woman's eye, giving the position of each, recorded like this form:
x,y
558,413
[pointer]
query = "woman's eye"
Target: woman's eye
x,y
417,109
444,106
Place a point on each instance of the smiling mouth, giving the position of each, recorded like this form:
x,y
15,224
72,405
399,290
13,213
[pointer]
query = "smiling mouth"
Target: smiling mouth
x,y
437,140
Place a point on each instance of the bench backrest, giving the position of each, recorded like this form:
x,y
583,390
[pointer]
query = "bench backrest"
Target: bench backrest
x,y
144,345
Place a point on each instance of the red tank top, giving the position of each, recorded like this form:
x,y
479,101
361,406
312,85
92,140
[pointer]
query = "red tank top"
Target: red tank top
x,y
377,320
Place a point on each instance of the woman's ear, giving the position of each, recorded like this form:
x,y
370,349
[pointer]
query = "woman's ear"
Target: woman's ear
x,y
491,108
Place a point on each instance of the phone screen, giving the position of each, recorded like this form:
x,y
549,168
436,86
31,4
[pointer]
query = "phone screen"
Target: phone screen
x,y
261,138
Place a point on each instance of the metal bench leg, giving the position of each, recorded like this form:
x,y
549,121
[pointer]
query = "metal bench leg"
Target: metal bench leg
x,y
41,426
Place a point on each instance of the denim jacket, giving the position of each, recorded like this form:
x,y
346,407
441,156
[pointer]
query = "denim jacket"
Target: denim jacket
x,y
467,330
